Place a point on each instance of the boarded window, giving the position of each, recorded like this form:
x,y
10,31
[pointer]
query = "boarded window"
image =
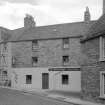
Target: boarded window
x,y
28,79
65,79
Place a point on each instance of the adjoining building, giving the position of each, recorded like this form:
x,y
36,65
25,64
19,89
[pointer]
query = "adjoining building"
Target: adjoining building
x,y
45,57
93,64
54,57
3,69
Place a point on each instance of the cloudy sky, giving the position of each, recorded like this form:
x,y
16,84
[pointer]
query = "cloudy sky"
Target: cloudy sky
x,y
46,12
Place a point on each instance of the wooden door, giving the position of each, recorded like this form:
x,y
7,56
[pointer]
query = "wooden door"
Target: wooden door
x,y
45,80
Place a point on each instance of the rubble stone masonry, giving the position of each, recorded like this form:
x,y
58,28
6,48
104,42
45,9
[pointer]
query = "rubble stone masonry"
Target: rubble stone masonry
x,y
49,53
91,67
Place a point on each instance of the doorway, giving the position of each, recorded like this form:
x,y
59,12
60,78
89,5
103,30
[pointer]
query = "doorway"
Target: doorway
x,y
45,80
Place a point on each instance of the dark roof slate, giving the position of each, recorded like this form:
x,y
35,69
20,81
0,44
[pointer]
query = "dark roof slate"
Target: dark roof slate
x,y
5,34
96,30
75,29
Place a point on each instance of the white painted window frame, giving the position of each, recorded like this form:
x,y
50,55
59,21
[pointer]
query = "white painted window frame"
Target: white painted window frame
x,y
102,94
101,46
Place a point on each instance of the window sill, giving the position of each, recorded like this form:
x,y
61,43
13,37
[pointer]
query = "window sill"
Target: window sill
x,y
65,64
65,48
102,97
102,59
28,83
65,84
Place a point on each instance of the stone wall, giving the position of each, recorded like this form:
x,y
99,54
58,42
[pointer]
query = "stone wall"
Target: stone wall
x,y
91,67
22,52
49,53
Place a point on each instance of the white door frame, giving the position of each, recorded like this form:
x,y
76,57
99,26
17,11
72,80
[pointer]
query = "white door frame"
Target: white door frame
x,y
102,84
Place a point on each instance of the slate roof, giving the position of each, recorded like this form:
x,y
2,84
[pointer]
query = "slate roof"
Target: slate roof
x,y
5,33
76,29
96,30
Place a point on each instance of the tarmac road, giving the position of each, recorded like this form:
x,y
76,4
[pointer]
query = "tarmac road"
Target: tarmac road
x,y
14,97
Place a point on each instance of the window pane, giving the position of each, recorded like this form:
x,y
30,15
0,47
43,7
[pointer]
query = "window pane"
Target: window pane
x,y
104,83
65,79
65,59
4,73
66,43
34,61
34,44
104,45
66,40
28,79
14,61
5,47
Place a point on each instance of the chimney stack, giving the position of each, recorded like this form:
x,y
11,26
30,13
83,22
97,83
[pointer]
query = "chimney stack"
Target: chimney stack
x,y
87,16
29,21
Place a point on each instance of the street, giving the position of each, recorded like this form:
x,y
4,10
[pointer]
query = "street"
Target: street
x,y
14,97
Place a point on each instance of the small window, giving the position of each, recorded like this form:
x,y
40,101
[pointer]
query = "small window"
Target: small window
x,y
34,44
4,73
13,61
66,43
65,59
102,48
65,79
28,79
34,61
5,47
102,84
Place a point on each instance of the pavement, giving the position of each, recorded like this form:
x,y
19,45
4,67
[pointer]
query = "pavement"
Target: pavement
x,y
56,96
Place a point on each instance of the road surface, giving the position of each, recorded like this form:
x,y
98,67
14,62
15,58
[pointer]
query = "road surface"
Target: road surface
x,y
14,97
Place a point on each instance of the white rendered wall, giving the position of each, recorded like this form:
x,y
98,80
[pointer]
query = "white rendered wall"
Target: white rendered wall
x,y
21,81
74,81
55,80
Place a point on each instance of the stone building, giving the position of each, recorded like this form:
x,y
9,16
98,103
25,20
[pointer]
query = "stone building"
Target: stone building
x,y
45,57
3,54
93,61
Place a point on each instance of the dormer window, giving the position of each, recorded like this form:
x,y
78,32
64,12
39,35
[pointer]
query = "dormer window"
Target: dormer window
x,y
65,42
